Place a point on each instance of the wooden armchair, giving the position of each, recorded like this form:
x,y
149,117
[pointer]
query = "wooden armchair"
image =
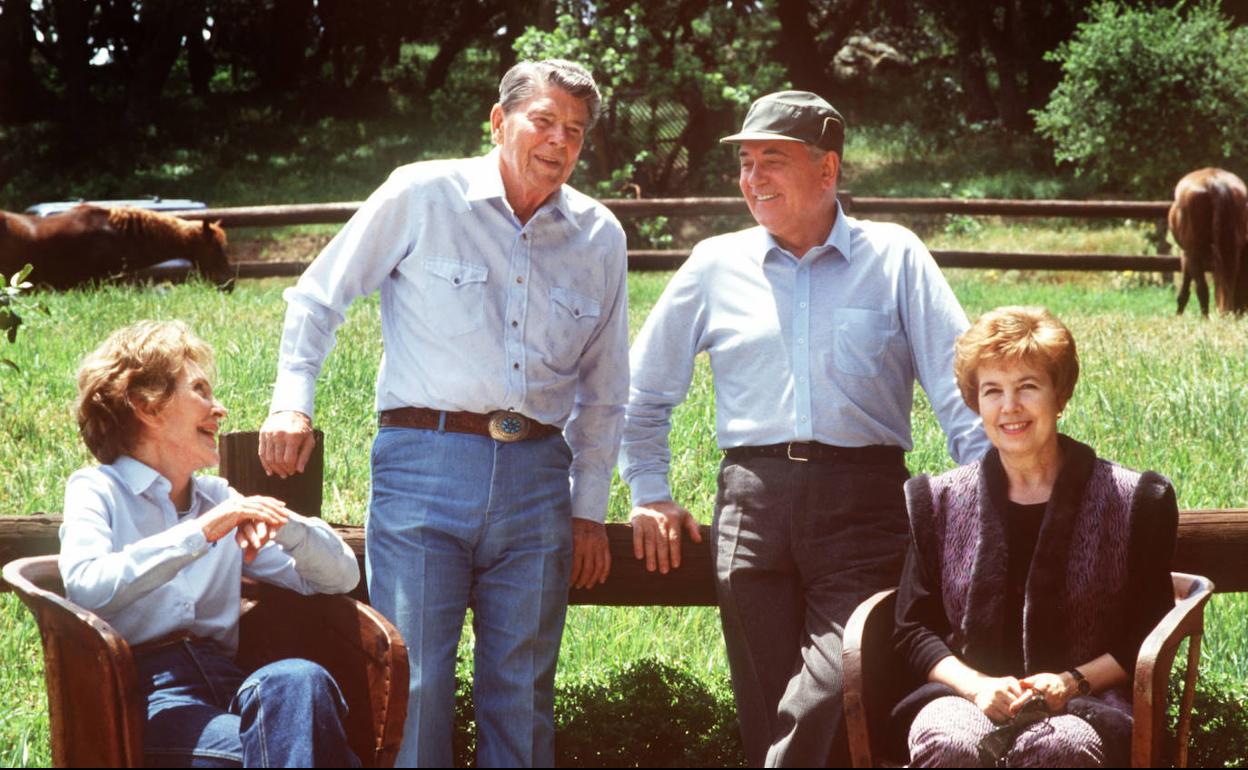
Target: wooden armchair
x,y
94,707
874,677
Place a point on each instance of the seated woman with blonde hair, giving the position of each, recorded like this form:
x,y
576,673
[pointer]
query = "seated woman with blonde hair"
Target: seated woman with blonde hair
x,y
160,553
1032,575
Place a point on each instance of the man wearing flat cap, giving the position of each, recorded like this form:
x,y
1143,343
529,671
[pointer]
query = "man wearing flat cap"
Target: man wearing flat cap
x,y
817,326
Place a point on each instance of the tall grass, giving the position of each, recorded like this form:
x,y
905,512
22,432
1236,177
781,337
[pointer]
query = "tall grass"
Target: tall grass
x,y
1156,392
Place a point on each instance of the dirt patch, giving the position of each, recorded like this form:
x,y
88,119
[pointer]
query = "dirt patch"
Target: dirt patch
x,y
297,247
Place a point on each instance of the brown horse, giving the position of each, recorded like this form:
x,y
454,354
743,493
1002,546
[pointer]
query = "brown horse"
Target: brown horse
x,y
1209,219
90,243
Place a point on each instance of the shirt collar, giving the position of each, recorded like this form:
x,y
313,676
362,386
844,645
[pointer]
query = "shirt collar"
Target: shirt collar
x,y
838,239
485,182
137,475
140,477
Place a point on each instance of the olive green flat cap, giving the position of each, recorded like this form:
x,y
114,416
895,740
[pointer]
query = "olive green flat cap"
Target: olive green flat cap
x,y
797,116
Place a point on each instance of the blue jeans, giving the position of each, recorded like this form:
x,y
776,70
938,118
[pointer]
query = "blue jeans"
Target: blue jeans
x,y
203,711
458,521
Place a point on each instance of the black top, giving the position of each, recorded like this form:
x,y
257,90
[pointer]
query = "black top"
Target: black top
x,y
1022,527
922,624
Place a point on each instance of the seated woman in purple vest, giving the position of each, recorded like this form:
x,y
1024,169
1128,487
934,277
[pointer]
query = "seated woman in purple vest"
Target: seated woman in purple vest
x,y
159,554
1032,576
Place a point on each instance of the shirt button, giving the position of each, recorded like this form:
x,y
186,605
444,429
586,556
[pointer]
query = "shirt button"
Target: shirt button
x,y
801,379
801,340
805,418
455,281
514,324
515,366
519,279
525,236
802,305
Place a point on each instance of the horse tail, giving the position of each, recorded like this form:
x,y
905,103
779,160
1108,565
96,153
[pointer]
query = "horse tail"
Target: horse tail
x,y
1222,244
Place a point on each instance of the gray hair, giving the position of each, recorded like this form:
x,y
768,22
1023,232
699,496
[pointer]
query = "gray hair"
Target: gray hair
x,y
522,80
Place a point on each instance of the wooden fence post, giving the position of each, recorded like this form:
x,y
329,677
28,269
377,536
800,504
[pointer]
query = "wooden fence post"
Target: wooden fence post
x,y
240,464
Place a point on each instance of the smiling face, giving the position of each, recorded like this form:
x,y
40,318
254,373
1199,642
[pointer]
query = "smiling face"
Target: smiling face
x,y
790,191
539,142
1019,406
184,430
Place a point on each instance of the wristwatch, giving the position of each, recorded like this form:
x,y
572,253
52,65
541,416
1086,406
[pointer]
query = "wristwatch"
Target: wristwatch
x,y
1082,685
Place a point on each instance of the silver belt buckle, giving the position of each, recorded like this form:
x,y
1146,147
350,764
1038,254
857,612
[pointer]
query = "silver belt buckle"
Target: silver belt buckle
x,y
788,449
509,426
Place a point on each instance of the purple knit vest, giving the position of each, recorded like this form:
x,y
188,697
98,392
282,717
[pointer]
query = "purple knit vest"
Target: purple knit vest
x,y
1095,571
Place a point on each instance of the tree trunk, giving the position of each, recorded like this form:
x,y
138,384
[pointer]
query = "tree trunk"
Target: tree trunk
x,y
1044,26
159,41
287,44
1002,42
979,102
473,17
199,63
71,55
22,96
796,47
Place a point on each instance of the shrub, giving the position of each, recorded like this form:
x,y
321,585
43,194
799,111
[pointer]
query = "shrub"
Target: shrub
x,y
645,713
12,304
1148,94
1219,720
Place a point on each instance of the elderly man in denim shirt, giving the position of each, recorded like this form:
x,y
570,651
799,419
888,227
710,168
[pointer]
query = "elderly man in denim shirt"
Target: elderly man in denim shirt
x,y
817,326
501,395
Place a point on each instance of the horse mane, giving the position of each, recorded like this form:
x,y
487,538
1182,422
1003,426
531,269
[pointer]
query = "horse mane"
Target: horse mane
x,y
165,230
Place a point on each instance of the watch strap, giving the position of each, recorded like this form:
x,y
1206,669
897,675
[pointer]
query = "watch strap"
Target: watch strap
x,y
1082,685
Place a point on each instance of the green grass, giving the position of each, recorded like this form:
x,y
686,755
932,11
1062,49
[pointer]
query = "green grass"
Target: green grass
x,y
1156,392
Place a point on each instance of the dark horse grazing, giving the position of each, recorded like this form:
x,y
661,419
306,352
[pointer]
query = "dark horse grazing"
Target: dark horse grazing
x,y
1209,219
94,243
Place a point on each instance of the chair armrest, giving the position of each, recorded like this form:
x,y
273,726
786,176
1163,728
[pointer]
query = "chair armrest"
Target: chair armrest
x,y
867,652
355,643
1152,671
95,710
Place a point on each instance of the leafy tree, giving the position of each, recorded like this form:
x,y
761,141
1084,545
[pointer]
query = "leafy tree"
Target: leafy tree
x,y
997,49
1148,94
675,75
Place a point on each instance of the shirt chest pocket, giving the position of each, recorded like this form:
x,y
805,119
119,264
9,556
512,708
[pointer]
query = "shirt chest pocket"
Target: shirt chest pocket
x,y
859,339
573,317
454,294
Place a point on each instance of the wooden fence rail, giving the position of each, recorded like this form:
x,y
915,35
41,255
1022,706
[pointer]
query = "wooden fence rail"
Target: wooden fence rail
x,y
650,260
336,213
642,260
1210,542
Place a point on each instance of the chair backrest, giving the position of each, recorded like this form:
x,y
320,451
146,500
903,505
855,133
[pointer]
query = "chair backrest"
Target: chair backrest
x,y
873,676
94,719
1152,674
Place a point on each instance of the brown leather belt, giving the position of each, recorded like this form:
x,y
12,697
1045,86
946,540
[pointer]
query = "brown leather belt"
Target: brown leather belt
x,y
500,425
813,451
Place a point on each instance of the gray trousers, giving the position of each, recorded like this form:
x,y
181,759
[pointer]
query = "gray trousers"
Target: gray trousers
x,y
798,546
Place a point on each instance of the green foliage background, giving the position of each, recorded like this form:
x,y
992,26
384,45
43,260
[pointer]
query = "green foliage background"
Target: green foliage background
x,y
1148,94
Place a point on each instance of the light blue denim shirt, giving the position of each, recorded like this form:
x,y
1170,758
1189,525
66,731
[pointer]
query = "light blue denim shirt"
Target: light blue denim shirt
x,y
148,570
479,312
824,348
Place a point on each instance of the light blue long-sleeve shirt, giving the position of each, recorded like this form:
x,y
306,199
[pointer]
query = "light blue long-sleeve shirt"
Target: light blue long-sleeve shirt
x,y
824,348
479,312
147,569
